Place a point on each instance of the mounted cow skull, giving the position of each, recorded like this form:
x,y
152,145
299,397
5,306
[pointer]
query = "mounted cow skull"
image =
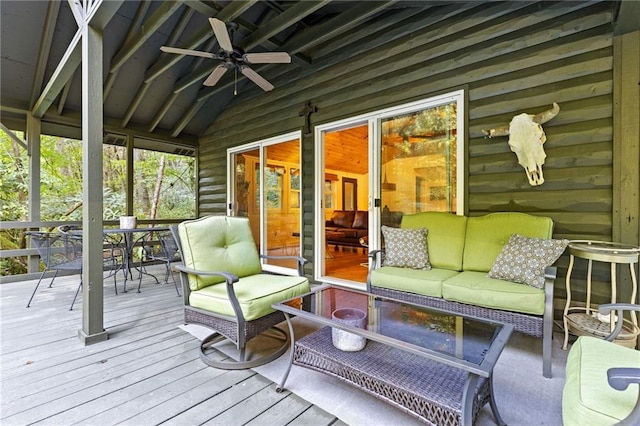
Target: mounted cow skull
x,y
526,137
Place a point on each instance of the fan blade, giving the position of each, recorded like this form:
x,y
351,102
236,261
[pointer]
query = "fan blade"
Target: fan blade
x,y
215,75
256,78
220,30
179,51
268,58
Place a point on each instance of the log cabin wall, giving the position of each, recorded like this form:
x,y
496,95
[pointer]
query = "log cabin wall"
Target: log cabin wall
x,y
511,58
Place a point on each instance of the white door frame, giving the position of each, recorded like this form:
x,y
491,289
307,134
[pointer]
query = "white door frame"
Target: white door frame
x,y
373,119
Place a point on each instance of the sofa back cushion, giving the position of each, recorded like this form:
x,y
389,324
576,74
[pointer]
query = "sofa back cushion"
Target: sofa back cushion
x,y
445,237
343,218
487,235
361,220
218,243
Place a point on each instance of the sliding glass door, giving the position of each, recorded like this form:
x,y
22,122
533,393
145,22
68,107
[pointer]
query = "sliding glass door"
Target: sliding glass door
x,y
413,158
264,185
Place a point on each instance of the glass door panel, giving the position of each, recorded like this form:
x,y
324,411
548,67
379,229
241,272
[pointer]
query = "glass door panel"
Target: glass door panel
x,y
419,163
281,215
246,189
345,203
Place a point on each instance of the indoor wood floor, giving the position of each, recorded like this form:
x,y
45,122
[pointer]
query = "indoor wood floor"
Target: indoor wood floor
x,y
348,263
147,373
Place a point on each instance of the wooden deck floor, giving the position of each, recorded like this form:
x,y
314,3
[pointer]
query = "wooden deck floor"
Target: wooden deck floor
x,y
147,373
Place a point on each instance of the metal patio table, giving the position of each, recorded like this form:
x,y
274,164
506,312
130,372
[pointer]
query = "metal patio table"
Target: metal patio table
x,y
433,364
130,241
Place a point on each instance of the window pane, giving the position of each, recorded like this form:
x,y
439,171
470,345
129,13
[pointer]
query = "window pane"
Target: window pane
x,y
164,185
419,163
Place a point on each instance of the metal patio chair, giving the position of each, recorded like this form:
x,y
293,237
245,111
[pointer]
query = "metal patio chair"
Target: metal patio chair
x,y
112,251
58,251
225,288
166,251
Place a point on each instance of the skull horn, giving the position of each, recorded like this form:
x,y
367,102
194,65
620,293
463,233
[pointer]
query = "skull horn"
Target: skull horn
x,y
500,131
547,115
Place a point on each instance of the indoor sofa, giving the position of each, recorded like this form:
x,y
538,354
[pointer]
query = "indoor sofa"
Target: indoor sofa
x,y
346,227
462,251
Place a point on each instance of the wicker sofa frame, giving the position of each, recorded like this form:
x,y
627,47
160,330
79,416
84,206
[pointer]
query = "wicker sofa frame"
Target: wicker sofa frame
x,y
532,325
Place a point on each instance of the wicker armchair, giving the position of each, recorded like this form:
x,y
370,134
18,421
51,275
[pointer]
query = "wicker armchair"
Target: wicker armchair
x,y
603,378
225,289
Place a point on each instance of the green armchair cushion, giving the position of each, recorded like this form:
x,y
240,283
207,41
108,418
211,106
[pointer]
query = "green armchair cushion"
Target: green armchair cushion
x,y
418,281
588,399
230,249
476,288
445,237
487,235
256,294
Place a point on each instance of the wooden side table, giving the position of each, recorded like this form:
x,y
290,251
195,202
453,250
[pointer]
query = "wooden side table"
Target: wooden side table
x,y
585,320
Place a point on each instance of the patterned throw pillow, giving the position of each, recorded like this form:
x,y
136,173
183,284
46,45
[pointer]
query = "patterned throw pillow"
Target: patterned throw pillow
x,y
406,248
523,259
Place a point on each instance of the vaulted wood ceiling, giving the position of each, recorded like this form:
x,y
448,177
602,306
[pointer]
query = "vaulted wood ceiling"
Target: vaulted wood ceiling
x,y
160,95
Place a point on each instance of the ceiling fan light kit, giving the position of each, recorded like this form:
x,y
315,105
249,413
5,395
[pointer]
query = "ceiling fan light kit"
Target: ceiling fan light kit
x,y
233,57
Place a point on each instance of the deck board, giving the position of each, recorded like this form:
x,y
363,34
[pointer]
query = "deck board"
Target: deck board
x,y
148,372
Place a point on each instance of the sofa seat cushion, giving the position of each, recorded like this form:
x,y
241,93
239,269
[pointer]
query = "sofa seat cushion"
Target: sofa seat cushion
x,y
445,237
418,281
475,288
487,235
587,398
255,293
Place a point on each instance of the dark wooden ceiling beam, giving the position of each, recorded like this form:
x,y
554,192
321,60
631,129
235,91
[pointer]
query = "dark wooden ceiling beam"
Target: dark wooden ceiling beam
x,y
205,33
332,28
142,90
230,12
101,14
159,17
134,28
292,15
45,47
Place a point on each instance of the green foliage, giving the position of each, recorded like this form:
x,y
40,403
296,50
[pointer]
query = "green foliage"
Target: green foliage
x,y
61,186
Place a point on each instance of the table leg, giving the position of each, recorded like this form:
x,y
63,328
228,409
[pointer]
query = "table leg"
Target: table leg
x,y
494,406
292,337
567,304
467,400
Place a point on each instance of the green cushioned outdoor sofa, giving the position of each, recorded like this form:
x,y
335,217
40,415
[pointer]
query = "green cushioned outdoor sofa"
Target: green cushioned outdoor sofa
x,y
461,251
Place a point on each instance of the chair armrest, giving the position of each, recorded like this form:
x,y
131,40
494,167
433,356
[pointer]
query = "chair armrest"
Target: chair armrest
x,y
229,277
620,308
620,379
301,261
230,280
329,223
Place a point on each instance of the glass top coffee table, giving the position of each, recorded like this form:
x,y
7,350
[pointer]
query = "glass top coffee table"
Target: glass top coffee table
x,y
433,364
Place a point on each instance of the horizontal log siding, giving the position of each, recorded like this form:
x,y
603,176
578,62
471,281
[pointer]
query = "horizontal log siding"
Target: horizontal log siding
x,y
513,57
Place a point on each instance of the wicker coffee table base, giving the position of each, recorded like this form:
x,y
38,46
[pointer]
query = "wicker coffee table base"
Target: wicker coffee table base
x,y
428,390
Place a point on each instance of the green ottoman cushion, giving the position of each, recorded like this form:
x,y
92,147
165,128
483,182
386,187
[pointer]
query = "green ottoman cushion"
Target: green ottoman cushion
x,y
475,288
255,293
587,398
418,281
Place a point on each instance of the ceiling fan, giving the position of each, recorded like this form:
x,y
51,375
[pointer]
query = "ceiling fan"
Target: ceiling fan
x,y
233,57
